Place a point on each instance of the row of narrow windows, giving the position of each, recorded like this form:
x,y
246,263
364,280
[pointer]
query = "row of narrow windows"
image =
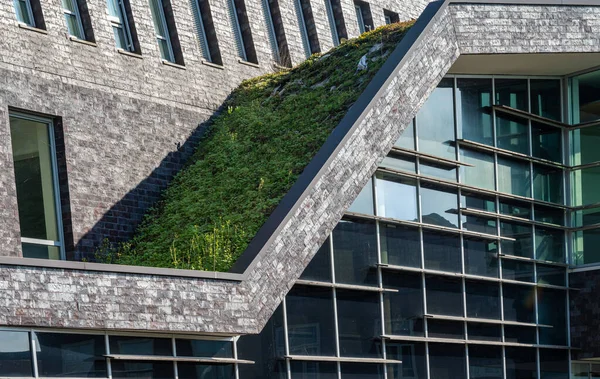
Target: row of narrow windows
x,y
29,12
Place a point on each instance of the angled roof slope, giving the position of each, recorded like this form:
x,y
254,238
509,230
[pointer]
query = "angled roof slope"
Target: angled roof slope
x,y
242,303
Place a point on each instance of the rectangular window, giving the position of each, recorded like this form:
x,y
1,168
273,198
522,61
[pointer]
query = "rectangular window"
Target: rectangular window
x,y
24,12
15,354
390,17
309,30
336,21
363,16
205,28
166,32
64,355
119,11
35,165
73,18
241,31
277,38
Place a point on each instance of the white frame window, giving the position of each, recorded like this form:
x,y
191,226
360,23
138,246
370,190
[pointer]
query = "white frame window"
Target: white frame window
x,y
24,16
117,15
161,29
359,18
73,18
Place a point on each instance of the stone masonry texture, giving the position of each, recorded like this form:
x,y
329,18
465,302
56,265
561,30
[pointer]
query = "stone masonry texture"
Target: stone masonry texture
x,y
69,298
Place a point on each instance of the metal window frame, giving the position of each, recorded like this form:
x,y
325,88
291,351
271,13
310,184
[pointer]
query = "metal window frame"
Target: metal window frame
x,y
162,20
122,22
359,19
202,37
29,11
332,25
237,31
76,14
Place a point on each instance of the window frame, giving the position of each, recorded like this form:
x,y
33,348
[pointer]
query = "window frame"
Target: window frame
x,y
360,19
237,32
163,21
55,185
67,13
121,21
27,3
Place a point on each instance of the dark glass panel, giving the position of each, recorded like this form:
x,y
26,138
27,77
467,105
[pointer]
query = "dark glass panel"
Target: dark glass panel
x,y
412,355
515,208
517,270
435,122
519,303
319,268
396,197
552,311
361,371
445,329
481,257
550,244
481,172
586,96
549,215
546,98
140,345
204,348
447,361
547,274
439,206
554,364
480,225
142,370
407,138
520,363
512,93
584,145
195,370
400,245
519,334
512,133
485,362
584,183
477,201
548,184
310,318
442,251
264,348
400,163
364,201
514,177
522,246
444,296
473,99
313,370
580,371
403,309
483,299
359,323
585,217
546,142
15,354
71,355
585,245
355,252
439,171
484,332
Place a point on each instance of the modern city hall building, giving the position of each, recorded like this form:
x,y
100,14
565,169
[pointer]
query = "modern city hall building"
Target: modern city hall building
x,y
447,228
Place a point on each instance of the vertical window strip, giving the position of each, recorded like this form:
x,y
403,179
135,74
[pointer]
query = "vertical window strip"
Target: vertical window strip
x,y
162,31
332,26
303,29
24,12
271,29
237,31
359,18
73,18
120,24
201,31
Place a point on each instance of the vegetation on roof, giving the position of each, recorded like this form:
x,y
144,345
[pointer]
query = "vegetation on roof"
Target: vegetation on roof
x,y
253,152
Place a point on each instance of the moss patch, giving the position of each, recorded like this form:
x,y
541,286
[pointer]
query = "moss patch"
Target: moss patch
x,y
251,156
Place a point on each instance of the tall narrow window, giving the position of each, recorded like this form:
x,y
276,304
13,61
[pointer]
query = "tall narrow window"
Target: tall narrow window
x,y
241,30
363,16
24,12
118,15
336,21
166,33
34,157
308,28
73,18
277,37
390,17
205,28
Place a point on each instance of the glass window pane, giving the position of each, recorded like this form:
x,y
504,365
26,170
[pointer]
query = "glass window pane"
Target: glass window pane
x,y
517,270
547,274
519,303
473,99
15,354
485,362
481,257
319,268
546,98
70,5
40,251
400,163
439,206
480,225
407,138
484,332
435,122
512,133
444,296
438,171
73,26
445,329
310,318
483,299
585,217
514,177
120,38
521,363
519,334
204,348
584,184
313,370
361,371
580,371
477,201
195,370
403,309
584,143
515,208
165,52
157,14
522,245
355,252
412,355
400,246
548,184
549,215
359,323
512,93
146,370
554,364
140,345
585,245
447,361
546,142
586,96
550,244
75,355
396,197
552,311
364,201
23,14
481,174
441,251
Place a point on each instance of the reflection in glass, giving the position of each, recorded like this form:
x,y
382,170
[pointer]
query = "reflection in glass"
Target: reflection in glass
x,y
447,361
515,208
481,174
512,133
522,245
546,142
519,334
399,162
359,323
585,245
483,299
355,252
519,303
473,99
76,355
445,329
514,177
584,183
517,270
546,98
444,296
520,363
412,355
441,251
310,320
407,138
140,345
396,198
141,369
364,202
554,364
204,371
547,274
548,184
485,362
439,171
15,355
439,206
313,370
435,122
403,309
585,217
584,145
204,348
400,246
477,201
552,311
361,371
319,268
479,225
585,96
549,215
484,332
512,93
481,257
549,244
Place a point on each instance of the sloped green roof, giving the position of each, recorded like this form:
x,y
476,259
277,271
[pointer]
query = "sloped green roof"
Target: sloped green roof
x,y
252,154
